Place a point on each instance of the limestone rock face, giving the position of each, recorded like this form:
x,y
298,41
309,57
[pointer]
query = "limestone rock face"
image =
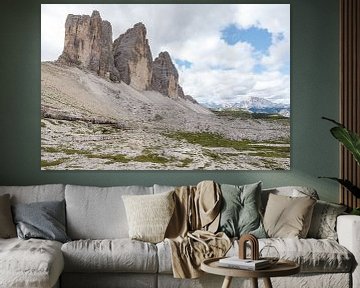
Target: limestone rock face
x,y
165,78
88,44
133,59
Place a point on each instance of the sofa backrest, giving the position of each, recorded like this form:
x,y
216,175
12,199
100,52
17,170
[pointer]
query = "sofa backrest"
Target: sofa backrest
x,y
35,193
98,212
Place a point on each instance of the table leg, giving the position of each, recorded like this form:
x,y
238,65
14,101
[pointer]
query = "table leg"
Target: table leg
x,y
227,282
254,282
267,283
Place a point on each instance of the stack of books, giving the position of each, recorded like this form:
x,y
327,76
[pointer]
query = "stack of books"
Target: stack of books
x,y
248,264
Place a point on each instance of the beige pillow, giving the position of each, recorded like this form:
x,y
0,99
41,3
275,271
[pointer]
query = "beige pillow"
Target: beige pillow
x,y
149,215
288,217
7,226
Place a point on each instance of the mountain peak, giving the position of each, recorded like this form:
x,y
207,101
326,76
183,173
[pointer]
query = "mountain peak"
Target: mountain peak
x,y
88,44
165,77
132,56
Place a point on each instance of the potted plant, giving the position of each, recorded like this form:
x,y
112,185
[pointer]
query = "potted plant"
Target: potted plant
x,y
351,141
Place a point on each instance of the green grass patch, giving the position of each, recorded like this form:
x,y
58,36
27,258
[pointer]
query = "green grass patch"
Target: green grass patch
x,y
45,163
214,156
111,157
243,114
67,151
151,157
185,162
233,114
207,139
272,153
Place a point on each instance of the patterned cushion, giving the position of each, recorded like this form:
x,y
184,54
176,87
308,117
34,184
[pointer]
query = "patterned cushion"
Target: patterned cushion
x,y
323,222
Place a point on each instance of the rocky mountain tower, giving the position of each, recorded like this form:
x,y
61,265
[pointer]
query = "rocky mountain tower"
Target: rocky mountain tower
x,y
88,44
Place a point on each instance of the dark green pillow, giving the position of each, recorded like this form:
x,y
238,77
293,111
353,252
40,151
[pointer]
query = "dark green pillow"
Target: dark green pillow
x,y
240,213
43,220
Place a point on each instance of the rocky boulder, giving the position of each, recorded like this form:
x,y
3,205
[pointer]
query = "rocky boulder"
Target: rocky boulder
x,y
88,44
165,78
133,59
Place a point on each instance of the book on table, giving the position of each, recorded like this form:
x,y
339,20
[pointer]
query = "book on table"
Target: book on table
x,y
249,264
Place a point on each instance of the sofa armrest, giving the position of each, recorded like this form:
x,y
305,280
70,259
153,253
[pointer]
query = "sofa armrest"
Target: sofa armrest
x,y
348,230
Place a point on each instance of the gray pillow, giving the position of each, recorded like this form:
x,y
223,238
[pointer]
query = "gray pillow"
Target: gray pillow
x,y
7,227
240,213
323,222
44,220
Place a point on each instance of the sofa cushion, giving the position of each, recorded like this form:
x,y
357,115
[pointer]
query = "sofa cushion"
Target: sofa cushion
x,y
291,191
98,213
287,216
7,226
313,255
35,193
30,263
149,215
117,255
323,222
43,220
240,210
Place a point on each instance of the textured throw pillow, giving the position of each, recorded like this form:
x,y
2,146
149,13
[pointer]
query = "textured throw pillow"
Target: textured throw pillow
x,y
323,222
43,220
288,217
240,213
7,226
149,215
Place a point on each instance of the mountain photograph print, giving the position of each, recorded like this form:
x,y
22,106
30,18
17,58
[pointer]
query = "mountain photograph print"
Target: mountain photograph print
x,y
165,87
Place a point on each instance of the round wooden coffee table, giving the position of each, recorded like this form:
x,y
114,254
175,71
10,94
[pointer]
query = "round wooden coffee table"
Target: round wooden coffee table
x,y
281,268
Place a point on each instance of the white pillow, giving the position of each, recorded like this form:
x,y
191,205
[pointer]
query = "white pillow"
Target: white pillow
x,y
149,215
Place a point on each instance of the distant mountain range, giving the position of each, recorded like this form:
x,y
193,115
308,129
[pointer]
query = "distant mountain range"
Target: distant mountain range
x,y
253,105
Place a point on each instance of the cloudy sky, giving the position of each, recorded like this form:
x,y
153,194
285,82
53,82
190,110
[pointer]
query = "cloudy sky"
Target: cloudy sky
x,y
224,53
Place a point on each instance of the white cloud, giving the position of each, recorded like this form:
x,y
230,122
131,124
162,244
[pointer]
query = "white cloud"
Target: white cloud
x,y
192,32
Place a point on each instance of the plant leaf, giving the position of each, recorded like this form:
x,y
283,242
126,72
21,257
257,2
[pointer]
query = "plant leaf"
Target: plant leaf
x,y
347,184
349,139
333,121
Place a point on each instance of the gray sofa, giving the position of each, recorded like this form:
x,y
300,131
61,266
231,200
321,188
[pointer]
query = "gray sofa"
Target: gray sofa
x,y
101,254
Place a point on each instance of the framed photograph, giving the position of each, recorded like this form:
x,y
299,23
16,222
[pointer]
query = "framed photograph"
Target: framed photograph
x,y
165,87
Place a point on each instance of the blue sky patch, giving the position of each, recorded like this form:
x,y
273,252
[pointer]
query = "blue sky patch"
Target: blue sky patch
x,y
183,63
259,38
258,68
285,69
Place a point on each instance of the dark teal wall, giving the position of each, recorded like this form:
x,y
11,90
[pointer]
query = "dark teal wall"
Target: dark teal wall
x,y
314,93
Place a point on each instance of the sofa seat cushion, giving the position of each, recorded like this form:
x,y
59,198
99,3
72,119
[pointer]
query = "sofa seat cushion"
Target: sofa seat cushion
x,y
110,255
30,263
313,255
